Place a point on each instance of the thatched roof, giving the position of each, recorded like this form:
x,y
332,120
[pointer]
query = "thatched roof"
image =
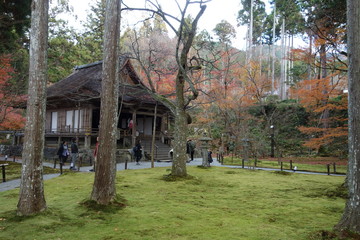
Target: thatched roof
x,y
84,84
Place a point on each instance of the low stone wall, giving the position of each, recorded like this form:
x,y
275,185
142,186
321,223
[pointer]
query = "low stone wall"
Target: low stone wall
x,y
50,154
16,150
123,155
11,150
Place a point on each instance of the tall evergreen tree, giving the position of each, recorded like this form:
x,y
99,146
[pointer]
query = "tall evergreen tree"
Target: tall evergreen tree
x,y
14,39
14,24
351,217
259,16
92,39
104,190
224,31
290,10
31,198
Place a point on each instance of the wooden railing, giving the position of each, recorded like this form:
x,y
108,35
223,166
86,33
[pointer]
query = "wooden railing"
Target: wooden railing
x,y
82,131
67,130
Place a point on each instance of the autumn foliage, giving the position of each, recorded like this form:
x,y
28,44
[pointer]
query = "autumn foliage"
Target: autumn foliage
x,y
325,100
232,88
11,118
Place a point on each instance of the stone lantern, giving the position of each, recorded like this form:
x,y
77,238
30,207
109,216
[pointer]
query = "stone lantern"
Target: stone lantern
x,y
204,140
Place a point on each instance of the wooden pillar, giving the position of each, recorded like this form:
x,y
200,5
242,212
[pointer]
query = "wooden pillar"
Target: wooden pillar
x,y
87,121
162,122
87,141
14,138
162,128
133,133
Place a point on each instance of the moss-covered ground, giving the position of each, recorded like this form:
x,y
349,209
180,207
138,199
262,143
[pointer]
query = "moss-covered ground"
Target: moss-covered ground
x,y
214,203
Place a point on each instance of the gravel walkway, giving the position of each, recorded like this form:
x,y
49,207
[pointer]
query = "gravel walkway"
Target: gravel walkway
x,y
132,165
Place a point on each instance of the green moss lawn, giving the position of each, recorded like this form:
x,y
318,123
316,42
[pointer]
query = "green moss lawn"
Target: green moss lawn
x,y
215,203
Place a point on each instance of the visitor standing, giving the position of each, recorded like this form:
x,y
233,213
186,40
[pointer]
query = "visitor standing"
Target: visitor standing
x,y
63,152
74,154
210,159
190,149
137,152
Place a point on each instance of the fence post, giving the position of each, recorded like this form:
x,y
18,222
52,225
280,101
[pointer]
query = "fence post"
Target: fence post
x,y
281,165
126,163
61,167
3,173
79,162
328,169
243,163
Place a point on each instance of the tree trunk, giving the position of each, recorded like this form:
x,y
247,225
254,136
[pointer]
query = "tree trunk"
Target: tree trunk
x,y
31,197
251,30
181,129
260,59
323,59
181,117
351,217
153,138
282,73
273,54
104,190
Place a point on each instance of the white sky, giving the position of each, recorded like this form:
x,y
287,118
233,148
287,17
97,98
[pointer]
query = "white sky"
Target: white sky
x,y
216,11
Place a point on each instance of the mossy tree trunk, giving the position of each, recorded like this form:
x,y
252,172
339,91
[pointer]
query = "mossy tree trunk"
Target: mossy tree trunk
x,y
180,134
351,217
31,197
186,34
104,191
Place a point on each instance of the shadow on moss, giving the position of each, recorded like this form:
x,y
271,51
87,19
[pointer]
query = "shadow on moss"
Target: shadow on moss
x,y
172,178
12,216
323,235
329,235
337,191
117,204
282,173
203,167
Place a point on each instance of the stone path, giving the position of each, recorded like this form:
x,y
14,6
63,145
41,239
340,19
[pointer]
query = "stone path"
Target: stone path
x,y
132,165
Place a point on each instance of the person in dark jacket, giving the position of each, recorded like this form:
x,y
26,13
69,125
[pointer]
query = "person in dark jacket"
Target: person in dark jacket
x,y
74,154
190,149
63,152
137,152
210,159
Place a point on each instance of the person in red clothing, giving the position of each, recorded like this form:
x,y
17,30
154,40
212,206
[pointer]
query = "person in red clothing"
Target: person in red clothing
x,y
131,124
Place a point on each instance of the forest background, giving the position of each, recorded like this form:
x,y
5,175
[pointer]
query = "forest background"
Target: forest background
x,y
285,101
